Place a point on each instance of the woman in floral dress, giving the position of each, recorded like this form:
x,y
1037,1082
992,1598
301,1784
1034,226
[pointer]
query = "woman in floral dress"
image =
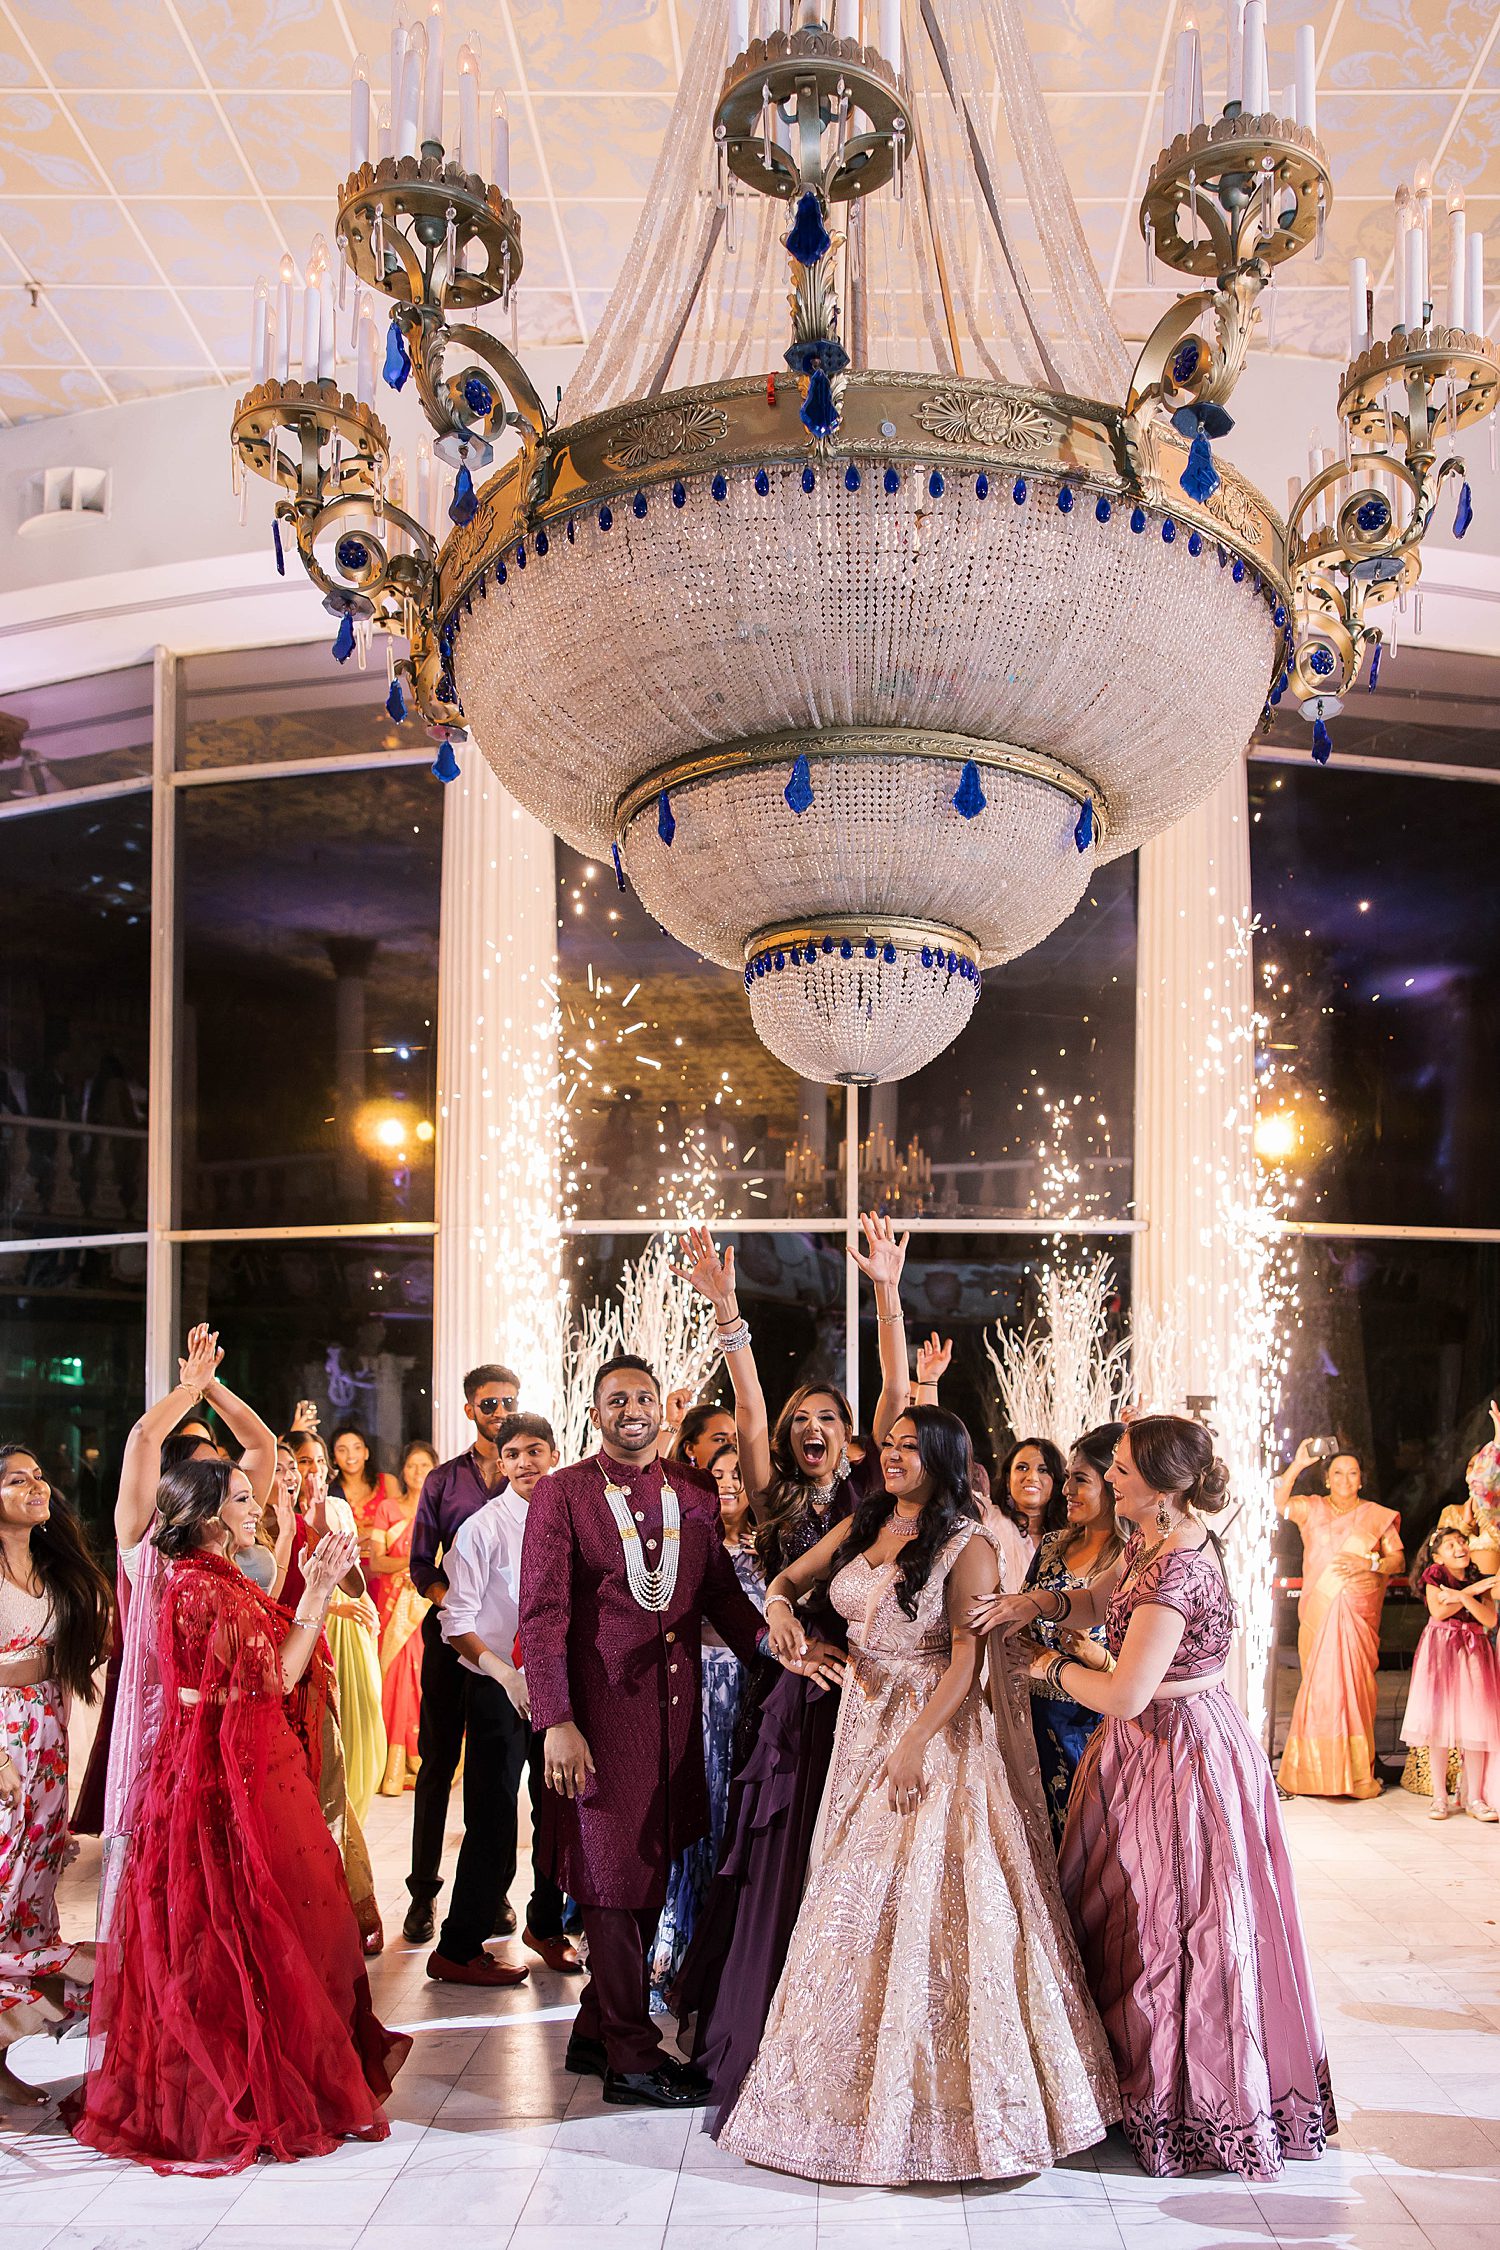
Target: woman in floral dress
x,y
55,1615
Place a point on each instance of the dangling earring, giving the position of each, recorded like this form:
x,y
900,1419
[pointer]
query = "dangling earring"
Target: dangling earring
x,y
842,1470
1163,1520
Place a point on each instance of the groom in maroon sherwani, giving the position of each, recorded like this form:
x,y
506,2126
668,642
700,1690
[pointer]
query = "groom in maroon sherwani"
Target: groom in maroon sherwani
x,y
621,1564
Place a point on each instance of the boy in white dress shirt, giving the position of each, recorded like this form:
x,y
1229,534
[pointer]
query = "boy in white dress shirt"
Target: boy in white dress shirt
x,y
479,1620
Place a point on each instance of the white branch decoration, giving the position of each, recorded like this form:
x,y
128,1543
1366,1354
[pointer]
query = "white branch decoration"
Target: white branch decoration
x,y
1060,1377
654,1314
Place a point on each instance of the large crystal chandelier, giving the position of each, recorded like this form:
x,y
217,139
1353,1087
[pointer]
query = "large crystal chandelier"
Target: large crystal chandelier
x,y
861,595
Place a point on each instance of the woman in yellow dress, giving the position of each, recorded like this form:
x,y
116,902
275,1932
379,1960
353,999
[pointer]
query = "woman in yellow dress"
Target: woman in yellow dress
x,y
1351,1547
352,1627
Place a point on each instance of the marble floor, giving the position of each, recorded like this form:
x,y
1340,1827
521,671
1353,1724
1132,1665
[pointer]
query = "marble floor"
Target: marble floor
x,y
493,2148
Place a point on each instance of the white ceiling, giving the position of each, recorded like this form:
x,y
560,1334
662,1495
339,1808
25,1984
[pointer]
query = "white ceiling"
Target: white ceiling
x,y
155,155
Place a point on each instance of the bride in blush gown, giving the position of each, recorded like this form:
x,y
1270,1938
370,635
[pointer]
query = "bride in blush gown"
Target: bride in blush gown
x,y
932,2021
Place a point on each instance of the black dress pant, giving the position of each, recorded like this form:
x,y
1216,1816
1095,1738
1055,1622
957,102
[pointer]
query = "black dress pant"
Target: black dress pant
x,y
614,2007
544,1915
440,1741
494,1760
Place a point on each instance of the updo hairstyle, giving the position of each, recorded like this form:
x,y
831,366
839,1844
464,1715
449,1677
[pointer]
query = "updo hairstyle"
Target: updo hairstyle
x,y
1176,1455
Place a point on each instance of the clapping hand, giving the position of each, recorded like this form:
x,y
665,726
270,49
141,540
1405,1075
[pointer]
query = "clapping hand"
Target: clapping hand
x,y
330,1563
198,1368
885,1253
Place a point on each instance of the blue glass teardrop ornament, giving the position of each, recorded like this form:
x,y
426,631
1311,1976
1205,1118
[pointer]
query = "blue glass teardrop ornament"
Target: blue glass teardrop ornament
x,y
1083,827
969,798
809,479
1018,491
461,507
1065,499
445,765
1322,743
679,494
343,639
891,481
720,486
276,547
666,825
1103,509
1465,515
1375,666
819,411
1200,480
762,483
851,478
395,703
1137,520
935,485
606,518
614,853
397,357
799,789
808,239
638,505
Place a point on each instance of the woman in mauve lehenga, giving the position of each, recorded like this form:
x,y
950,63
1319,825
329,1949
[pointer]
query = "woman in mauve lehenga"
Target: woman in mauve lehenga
x,y
1174,1863
932,2021
1350,1548
801,1483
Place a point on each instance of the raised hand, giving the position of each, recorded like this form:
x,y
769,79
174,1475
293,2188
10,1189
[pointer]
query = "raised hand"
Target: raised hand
x,y
330,1563
305,1418
711,1275
884,1254
933,1358
201,1362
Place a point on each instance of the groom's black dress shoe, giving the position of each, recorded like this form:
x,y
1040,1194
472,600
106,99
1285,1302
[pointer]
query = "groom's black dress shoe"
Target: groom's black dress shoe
x,y
663,2088
586,2057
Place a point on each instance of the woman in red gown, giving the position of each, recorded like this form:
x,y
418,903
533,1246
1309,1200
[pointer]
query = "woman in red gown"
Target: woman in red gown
x,y
232,2015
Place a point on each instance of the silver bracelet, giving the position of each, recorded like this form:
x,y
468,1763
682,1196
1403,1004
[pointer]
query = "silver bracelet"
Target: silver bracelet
x,y
735,1339
308,1624
773,1599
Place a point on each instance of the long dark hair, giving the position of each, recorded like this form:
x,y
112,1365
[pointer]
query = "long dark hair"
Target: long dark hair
x,y
784,1499
187,1498
82,1604
1052,1461
947,1457
1097,1448
693,1425
372,1459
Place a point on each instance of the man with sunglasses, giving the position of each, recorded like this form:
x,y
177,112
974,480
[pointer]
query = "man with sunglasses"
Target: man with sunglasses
x,y
453,1492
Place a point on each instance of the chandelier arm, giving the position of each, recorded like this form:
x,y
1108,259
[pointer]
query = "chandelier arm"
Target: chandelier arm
x,y
502,362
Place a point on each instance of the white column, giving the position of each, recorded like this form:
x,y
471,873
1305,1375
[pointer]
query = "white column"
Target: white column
x,y
498,1252
1201,1270
163,1342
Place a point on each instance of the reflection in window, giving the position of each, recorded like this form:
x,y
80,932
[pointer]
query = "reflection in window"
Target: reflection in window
x,y
253,707
790,1288
960,1285
1397,1356
1378,953
75,947
307,1034
77,734
347,1324
72,1367
674,1098
1031,1108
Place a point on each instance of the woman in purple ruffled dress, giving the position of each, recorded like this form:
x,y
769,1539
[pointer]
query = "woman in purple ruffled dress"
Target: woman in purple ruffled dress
x,y
1174,1863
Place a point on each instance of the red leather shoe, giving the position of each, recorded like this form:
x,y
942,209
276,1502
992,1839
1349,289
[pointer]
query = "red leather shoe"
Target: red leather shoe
x,y
484,1969
557,1952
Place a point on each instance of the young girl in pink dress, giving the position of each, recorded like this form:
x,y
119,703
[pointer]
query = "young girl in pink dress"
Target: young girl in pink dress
x,y
1454,1700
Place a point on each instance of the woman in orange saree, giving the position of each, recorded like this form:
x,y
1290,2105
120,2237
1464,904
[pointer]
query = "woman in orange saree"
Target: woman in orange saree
x,y
1350,1548
385,1545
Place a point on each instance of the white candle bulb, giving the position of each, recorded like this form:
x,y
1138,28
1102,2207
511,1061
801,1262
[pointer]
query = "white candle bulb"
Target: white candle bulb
x,y
1359,283
1254,89
1234,68
845,20
500,143
398,51
327,324
286,282
383,141
364,368
1398,252
1179,91
409,111
258,311
1307,77
890,33
1194,112
432,89
1457,273
359,114
468,109
1474,305
1416,279
739,27
311,321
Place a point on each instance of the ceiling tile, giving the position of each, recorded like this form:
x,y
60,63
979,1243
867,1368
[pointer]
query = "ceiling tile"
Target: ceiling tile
x,y
162,382
129,327
543,267
295,144
612,43
88,43
39,151
598,236
548,317
1473,155
26,394
1097,140
268,42
222,316
200,244
1082,43
29,335
75,239
1432,43
1373,153
603,147
160,144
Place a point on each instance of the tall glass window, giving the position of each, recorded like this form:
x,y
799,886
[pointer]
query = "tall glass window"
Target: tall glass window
x,y
72,1366
78,734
